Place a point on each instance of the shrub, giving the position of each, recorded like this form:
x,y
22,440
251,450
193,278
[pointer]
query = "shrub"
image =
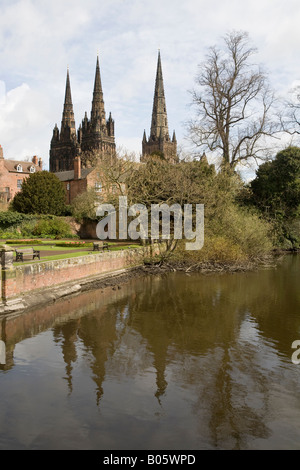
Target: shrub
x,y
27,228
23,242
10,219
55,228
72,244
234,236
245,229
4,234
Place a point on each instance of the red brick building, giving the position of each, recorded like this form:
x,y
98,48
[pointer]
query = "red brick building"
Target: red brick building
x,y
12,175
80,179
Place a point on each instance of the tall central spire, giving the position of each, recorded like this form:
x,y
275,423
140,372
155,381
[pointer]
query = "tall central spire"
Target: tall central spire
x,y
159,123
97,134
159,142
68,119
98,103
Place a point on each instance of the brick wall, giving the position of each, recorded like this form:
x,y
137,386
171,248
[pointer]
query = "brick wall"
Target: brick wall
x,y
73,188
18,280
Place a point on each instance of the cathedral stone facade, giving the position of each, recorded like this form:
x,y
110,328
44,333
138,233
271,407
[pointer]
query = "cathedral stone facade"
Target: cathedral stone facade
x,y
95,135
159,141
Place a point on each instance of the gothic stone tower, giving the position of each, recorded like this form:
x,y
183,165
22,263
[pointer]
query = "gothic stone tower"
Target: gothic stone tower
x,y
159,140
97,134
64,143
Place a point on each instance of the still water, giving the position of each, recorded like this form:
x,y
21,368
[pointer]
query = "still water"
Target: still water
x,y
174,361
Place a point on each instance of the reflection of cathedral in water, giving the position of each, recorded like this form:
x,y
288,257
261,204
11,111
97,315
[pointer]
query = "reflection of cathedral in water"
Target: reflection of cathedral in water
x,y
106,342
158,334
110,341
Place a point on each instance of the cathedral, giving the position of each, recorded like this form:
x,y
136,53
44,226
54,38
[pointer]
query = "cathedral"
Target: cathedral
x,y
96,135
159,141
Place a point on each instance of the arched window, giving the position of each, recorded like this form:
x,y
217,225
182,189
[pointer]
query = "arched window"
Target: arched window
x,y
19,168
32,169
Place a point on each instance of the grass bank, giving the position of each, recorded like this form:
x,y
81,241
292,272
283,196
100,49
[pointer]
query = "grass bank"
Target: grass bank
x,y
61,250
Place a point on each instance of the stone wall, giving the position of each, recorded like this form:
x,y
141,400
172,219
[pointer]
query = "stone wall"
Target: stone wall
x,y
42,275
38,278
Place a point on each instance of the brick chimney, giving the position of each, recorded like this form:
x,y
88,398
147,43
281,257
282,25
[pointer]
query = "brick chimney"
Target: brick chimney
x,y
1,152
77,168
35,160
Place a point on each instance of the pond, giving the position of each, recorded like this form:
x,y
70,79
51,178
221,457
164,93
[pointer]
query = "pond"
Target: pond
x,y
171,361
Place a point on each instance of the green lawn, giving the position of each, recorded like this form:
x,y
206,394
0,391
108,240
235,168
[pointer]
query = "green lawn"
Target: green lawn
x,y
55,248
73,254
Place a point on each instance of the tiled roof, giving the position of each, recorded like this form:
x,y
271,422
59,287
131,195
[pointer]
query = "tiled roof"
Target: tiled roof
x,y
11,165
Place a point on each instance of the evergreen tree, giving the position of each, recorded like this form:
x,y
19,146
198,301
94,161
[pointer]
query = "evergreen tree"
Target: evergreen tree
x,y
276,187
276,192
41,193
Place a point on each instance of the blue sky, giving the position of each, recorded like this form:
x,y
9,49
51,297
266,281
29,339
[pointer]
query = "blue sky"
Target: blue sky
x,y
40,39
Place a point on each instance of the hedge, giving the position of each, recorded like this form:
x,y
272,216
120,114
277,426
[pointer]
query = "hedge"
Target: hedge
x,y
23,242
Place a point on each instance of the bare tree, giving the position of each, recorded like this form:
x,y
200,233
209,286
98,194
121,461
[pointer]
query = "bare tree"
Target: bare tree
x,y
290,120
114,170
233,102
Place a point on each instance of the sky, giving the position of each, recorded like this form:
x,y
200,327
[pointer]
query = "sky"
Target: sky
x,y
40,39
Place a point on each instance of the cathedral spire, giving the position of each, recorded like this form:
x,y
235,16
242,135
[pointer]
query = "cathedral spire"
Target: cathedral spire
x,y
68,119
63,144
159,123
93,134
159,141
98,103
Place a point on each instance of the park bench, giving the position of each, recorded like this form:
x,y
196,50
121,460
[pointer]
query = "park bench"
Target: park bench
x,y
29,252
100,246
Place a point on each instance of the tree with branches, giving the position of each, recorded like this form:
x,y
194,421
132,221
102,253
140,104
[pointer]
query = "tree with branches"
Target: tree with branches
x,y
234,104
290,119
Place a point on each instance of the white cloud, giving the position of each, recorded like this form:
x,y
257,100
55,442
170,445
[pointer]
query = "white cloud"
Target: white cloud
x,y
2,93
20,122
39,39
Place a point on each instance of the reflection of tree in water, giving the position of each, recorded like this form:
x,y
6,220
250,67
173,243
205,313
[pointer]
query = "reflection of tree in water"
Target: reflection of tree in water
x,y
194,317
188,328
174,314
277,305
235,401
